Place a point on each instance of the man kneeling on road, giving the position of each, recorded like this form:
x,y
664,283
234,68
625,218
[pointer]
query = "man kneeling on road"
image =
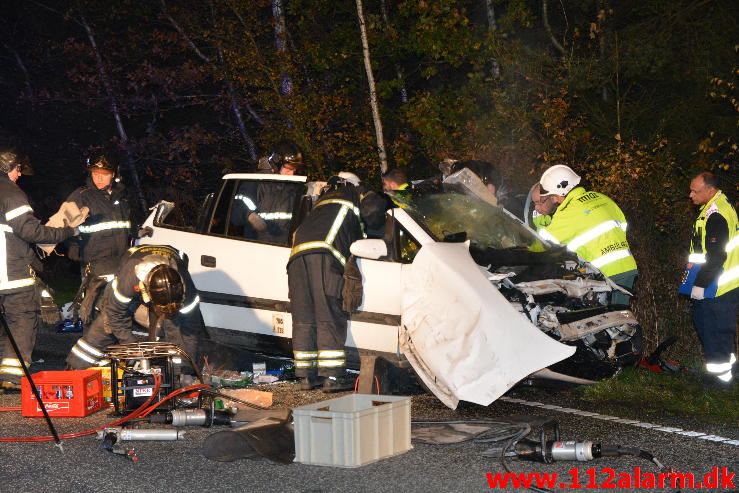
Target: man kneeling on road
x,y
155,276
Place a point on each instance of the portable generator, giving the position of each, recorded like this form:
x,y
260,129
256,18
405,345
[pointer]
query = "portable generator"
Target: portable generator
x,y
140,362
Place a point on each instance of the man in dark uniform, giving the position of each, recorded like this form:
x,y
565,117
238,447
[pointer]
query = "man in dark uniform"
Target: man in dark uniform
x,y
18,229
266,210
315,279
104,238
155,276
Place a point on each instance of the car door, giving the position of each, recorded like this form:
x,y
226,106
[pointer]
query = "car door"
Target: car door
x,y
239,270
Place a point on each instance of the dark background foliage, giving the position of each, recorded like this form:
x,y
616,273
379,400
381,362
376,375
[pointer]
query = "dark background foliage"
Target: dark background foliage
x,y
635,95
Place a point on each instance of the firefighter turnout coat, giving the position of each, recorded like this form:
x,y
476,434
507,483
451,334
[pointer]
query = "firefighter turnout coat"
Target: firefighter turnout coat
x,y
104,237
593,226
124,295
18,230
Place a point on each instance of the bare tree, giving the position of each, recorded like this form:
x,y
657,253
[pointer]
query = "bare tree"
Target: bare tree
x,y
373,91
493,26
230,89
105,80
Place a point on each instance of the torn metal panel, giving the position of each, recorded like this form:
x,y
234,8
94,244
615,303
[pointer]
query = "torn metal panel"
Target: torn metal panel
x,y
463,338
591,325
576,288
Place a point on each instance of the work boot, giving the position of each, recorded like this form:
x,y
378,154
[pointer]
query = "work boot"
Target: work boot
x,y
10,387
712,382
310,383
339,384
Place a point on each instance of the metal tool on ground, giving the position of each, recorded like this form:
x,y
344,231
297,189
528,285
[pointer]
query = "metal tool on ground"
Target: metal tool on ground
x,y
26,372
509,438
194,417
111,444
135,434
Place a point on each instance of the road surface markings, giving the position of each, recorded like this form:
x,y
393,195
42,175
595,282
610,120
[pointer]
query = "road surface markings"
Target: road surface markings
x,y
632,422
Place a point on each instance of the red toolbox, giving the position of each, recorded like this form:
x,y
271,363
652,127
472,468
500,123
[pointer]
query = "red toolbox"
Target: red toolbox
x,y
71,394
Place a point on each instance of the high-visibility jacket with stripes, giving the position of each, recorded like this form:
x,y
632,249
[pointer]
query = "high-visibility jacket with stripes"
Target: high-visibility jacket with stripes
x,y
331,227
19,228
593,226
727,277
106,232
123,294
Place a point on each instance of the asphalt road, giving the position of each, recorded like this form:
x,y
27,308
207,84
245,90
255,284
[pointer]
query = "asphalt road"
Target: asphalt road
x,y
180,466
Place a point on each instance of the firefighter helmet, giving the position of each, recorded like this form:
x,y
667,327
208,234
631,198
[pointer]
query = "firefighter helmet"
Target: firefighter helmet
x,y
350,177
101,162
166,289
11,158
558,180
285,152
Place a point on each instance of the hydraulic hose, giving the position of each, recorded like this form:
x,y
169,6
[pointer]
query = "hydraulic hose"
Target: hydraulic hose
x,y
143,410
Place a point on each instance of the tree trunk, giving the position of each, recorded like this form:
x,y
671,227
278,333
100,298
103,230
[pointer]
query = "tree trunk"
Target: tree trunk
x,y
372,90
278,12
545,19
116,114
493,26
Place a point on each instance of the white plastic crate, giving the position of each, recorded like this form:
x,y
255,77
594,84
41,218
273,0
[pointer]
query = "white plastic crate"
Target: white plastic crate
x,y
352,430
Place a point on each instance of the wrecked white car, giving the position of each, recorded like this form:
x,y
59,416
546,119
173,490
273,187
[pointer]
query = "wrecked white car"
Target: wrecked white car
x,y
474,300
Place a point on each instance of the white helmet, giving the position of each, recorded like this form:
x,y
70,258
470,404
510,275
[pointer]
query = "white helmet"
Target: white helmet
x,y
558,180
350,177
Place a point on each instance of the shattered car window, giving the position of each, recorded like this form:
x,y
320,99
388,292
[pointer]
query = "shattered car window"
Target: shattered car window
x,y
452,215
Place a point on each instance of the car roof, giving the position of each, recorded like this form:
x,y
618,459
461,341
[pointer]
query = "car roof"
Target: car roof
x,y
265,177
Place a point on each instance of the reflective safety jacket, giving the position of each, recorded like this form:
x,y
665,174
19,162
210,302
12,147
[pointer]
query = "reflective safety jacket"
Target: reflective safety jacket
x,y
19,228
104,237
124,294
713,263
593,226
332,226
273,202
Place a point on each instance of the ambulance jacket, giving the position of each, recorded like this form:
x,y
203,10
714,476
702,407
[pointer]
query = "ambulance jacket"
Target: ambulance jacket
x,y
713,263
19,228
593,226
124,296
334,224
106,232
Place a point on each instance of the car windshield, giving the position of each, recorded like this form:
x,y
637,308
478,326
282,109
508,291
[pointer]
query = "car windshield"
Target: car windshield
x,y
455,214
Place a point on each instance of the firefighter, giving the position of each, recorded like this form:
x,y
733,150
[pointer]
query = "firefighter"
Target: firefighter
x,y
712,277
266,211
315,279
155,276
18,229
105,236
589,224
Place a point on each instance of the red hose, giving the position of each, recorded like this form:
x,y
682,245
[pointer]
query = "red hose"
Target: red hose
x,y
135,414
14,408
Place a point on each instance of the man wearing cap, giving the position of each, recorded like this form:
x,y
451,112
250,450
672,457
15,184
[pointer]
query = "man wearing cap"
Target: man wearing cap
x,y
19,228
589,224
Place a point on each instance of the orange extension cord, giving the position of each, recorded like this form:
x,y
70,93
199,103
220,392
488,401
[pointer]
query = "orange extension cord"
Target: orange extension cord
x,y
142,411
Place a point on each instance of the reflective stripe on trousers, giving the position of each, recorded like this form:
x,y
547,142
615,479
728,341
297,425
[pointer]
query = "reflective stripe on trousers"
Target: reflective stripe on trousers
x,y
305,359
11,366
331,358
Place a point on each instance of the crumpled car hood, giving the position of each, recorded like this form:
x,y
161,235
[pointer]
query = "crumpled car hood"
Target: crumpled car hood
x,y
463,338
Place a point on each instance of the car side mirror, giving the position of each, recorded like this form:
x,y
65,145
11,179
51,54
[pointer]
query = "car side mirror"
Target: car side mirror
x,y
371,249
